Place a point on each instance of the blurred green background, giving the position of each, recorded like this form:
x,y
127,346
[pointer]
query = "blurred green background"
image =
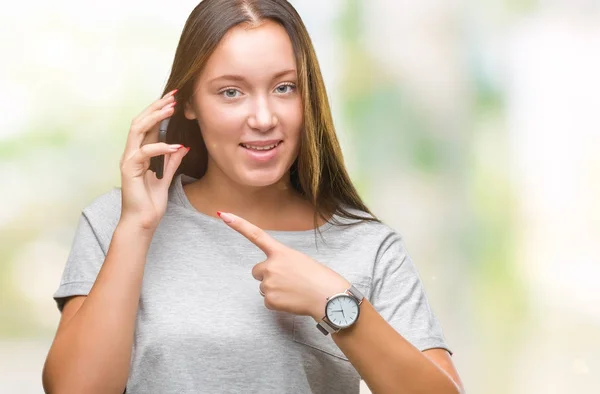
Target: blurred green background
x,y
470,127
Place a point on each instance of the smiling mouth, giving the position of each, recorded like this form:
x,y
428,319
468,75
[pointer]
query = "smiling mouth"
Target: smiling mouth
x,y
261,148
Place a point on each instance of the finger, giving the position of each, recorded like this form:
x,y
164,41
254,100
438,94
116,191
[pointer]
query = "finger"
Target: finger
x,y
158,104
253,233
138,131
137,164
167,99
172,163
150,150
269,302
258,271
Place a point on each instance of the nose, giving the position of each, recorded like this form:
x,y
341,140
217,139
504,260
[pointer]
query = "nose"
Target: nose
x,y
263,118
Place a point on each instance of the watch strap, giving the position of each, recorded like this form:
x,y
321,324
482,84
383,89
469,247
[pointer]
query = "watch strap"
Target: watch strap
x,y
326,328
356,294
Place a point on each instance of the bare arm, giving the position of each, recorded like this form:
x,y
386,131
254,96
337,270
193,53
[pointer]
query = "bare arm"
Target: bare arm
x,y
388,363
92,348
385,359
91,352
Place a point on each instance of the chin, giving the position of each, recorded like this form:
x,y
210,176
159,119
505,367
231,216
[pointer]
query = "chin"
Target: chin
x,y
260,178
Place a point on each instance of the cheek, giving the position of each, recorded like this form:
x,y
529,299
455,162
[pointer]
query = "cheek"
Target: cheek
x,y
220,122
293,119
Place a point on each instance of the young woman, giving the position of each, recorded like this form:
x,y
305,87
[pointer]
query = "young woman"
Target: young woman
x,y
162,290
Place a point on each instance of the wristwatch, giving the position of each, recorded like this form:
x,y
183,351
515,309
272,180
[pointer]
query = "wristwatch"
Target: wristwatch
x,y
341,311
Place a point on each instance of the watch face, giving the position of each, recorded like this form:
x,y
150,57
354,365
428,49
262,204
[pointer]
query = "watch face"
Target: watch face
x,y
342,310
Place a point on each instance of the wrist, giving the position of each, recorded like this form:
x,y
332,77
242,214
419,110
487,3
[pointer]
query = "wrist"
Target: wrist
x,y
134,227
318,310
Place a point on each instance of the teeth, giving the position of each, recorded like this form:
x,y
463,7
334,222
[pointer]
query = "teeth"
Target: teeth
x,y
260,147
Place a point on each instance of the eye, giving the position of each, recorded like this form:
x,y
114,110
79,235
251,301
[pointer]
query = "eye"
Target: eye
x,y
285,88
230,93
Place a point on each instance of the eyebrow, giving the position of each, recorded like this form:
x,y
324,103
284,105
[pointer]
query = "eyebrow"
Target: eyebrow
x,y
232,77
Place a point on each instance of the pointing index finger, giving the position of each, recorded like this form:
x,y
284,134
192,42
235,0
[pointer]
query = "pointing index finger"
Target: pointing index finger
x,y
253,233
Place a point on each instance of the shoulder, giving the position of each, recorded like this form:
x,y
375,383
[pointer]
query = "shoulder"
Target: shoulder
x,y
104,211
369,230
106,205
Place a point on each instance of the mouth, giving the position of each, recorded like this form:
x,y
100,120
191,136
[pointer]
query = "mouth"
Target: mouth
x,y
262,151
261,147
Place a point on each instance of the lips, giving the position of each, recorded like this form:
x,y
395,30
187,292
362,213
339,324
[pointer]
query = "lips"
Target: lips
x,y
258,147
261,151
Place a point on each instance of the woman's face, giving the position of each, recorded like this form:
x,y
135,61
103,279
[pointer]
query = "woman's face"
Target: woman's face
x,y
247,105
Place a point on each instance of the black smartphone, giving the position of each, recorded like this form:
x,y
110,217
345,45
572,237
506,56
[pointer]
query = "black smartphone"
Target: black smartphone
x,y
157,163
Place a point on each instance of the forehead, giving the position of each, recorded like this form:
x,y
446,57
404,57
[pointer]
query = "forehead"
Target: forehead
x,y
252,52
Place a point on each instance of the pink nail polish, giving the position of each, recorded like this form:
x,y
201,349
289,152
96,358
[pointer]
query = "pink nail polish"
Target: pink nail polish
x,y
171,93
227,218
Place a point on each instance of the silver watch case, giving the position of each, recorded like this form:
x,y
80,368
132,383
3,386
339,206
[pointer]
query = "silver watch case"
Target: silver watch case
x,y
325,325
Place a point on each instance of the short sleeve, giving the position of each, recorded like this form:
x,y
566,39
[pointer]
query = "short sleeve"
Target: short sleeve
x,y
399,296
83,264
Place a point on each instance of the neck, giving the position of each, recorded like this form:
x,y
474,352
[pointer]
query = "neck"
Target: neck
x,y
269,207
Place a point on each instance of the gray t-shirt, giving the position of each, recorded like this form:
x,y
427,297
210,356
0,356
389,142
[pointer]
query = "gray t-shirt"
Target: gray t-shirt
x,y
202,326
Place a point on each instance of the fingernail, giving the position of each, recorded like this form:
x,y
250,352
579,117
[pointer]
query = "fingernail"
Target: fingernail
x,y
171,93
227,218
175,146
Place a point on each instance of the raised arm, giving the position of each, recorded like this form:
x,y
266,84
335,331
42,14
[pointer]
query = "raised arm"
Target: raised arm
x,y
91,351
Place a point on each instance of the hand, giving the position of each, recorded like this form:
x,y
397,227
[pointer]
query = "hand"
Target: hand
x,y
144,197
292,281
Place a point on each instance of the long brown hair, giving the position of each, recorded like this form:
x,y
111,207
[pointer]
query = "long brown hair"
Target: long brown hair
x,y
318,173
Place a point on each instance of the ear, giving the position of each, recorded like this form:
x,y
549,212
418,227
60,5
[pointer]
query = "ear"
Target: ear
x,y
188,110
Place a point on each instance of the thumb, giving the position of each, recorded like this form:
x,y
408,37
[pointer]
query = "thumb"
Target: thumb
x,y
172,163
